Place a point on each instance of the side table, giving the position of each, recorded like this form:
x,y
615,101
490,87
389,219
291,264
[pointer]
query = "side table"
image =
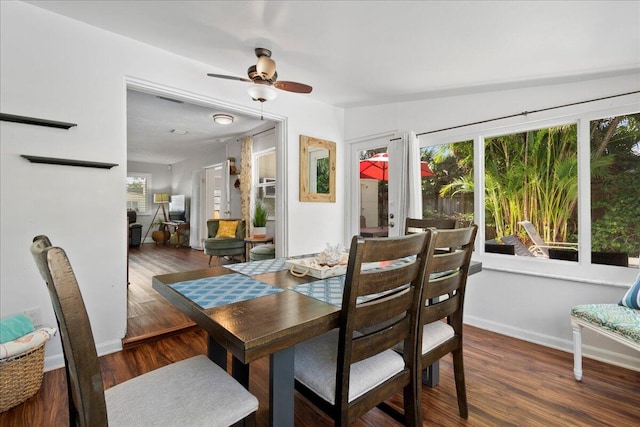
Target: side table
x,y
251,241
181,229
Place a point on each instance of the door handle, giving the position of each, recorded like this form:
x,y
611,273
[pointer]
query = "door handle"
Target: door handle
x,y
392,224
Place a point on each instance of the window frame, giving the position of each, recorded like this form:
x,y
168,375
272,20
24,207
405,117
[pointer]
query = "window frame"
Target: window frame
x,y
148,191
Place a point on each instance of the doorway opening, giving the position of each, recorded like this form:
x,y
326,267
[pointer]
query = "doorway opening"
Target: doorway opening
x,y
144,319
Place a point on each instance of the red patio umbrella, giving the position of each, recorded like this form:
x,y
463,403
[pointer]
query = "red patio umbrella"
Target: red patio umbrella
x,y
377,166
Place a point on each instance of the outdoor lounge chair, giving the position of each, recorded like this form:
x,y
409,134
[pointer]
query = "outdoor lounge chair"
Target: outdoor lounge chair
x,y
540,247
519,248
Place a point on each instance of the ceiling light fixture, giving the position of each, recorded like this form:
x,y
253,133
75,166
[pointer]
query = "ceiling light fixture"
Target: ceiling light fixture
x,y
262,92
179,131
223,119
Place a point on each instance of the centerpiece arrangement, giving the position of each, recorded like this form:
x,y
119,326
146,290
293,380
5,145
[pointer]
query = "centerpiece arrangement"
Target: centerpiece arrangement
x,y
332,261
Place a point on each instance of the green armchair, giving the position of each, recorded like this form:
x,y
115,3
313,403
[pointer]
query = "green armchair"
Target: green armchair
x,y
225,246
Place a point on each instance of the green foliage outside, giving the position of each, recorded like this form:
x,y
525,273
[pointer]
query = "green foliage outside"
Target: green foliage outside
x,y
615,187
533,176
135,185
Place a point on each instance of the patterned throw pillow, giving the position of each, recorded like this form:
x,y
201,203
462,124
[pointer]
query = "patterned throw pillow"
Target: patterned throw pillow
x,y
632,298
227,229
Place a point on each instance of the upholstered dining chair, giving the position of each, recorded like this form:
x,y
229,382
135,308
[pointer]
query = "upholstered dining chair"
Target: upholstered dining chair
x,y
191,392
444,290
225,237
348,371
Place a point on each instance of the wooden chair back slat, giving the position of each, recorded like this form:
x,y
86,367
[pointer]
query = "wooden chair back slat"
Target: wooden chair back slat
x,y
439,310
373,282
382,309
414,224
443,286
369,344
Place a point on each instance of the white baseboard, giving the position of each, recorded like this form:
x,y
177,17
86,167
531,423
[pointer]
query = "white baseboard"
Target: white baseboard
x,y
596,353
57,361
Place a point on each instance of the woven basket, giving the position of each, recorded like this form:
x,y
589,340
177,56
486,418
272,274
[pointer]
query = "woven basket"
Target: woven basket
x,y
21,377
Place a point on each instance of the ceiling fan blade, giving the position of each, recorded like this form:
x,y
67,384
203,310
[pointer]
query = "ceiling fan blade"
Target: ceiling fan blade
x,y
293,87
222,76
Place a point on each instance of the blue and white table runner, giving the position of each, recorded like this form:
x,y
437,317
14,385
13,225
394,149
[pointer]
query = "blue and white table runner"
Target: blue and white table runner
x,y
215,291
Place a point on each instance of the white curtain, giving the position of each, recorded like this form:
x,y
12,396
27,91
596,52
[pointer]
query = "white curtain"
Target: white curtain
x,y
196,234
410,184
414,188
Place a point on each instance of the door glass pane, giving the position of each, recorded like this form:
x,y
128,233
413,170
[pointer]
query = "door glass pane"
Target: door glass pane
x,y
615,190
374,192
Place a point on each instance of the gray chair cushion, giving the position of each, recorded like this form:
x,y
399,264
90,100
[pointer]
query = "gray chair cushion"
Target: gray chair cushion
x,y
433,335
315,367
193,392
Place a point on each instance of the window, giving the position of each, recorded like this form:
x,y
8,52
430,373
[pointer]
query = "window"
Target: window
x,y
533,176
573,182
138,197
615,190
448,191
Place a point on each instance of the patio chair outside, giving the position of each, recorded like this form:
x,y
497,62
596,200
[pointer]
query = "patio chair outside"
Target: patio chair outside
x,y
540,247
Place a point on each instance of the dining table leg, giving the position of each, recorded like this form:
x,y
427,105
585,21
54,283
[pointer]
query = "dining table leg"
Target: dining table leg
x,y
240,372
431,375
281,388
218,355
216,352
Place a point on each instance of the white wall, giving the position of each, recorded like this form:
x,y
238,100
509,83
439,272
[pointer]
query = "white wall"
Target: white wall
x,y
56,68
533,305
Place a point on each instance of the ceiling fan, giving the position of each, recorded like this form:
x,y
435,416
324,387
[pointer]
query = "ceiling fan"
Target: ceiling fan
x,y
264,77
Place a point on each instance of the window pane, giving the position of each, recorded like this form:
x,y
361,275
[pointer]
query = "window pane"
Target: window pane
x,y
448,193
374,192
137,193
533,177
265,190
615,190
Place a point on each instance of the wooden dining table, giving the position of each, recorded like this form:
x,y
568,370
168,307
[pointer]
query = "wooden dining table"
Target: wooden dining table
x,y
269,325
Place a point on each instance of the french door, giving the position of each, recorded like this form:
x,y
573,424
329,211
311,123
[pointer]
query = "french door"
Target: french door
x,y
216,191
375,173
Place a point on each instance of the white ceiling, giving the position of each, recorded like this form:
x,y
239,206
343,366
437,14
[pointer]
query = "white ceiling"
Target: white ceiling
x,y
357,53
151,119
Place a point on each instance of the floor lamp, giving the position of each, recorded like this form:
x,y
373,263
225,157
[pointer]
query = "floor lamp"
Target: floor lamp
x,y
161,199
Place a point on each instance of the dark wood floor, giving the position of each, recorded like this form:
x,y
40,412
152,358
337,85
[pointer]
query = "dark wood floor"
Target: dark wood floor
x,y
509,382
149,315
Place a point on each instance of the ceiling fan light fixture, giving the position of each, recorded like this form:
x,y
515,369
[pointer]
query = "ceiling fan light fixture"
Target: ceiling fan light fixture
x,y
223,119
266,67
262,92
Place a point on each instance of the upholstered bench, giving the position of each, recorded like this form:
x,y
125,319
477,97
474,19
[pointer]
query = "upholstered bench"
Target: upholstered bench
x,y
615,321
261,252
